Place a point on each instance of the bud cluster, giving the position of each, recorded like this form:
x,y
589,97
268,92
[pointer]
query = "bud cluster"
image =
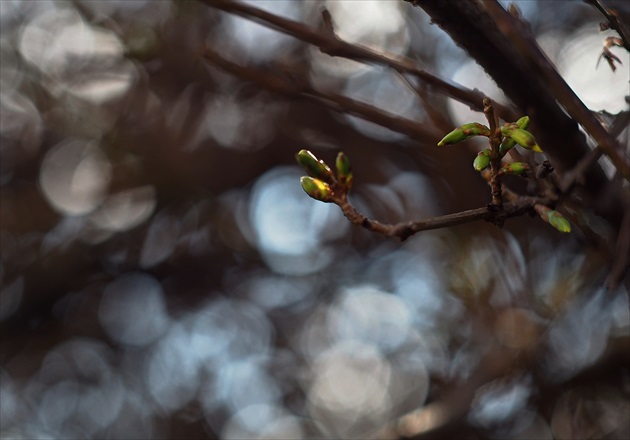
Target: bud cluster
x,y
326,185
510,135
321,183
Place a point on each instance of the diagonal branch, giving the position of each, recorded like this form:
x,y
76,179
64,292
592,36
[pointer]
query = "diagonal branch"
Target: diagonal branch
x,y
333,101
531,82
330,44
530,50
614,21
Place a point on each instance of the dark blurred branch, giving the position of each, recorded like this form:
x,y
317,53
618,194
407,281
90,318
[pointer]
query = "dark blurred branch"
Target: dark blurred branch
x,y
621,262
299,88
489,33
576,175
530,50
330,44
614,21
440,121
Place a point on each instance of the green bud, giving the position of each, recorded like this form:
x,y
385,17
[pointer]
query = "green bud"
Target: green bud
x,y
343,164
515,168
558,221
316,188
344,170
554,218
523,122
482,160
464,132
314,167
506,146
508,143
522,137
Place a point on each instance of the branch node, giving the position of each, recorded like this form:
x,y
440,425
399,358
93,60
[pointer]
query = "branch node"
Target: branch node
x,y
327,23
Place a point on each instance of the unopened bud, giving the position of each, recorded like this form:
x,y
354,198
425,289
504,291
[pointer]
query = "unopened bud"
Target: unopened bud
x,y
554,218
518,168
464,132
482,160
508,143
558,221
344,170
522,137
316,189
314,167
523,122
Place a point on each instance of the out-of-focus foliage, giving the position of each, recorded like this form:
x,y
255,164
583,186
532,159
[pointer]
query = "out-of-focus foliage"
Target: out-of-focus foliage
x,y
164,276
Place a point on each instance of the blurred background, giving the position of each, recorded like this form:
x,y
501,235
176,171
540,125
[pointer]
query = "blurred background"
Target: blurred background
x,y
164,275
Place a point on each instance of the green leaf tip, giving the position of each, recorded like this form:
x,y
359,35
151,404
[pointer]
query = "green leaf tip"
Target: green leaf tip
x,y
316,189
314,167
464,132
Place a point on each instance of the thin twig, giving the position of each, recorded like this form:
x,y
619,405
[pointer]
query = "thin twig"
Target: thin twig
x,y
440,418
495,156
330,44
576,175
336,102
405,230
614,21
438,119
517,72
540,65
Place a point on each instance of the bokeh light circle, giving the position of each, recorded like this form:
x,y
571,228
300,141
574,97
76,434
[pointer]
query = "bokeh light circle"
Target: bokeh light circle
x,y
74,176
291,229
133,311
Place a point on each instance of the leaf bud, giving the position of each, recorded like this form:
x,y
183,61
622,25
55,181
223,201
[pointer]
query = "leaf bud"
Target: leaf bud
x,y
522,137
344,170
523,122
508,143
558,221
316,189
464,132
554,218
518,168
482,160
506,146
314,167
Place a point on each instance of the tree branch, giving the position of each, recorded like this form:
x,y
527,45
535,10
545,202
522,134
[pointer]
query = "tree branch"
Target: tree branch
x,y
333,101
330,44
530,50
532,83
614,21
405,230
495,156
576,175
